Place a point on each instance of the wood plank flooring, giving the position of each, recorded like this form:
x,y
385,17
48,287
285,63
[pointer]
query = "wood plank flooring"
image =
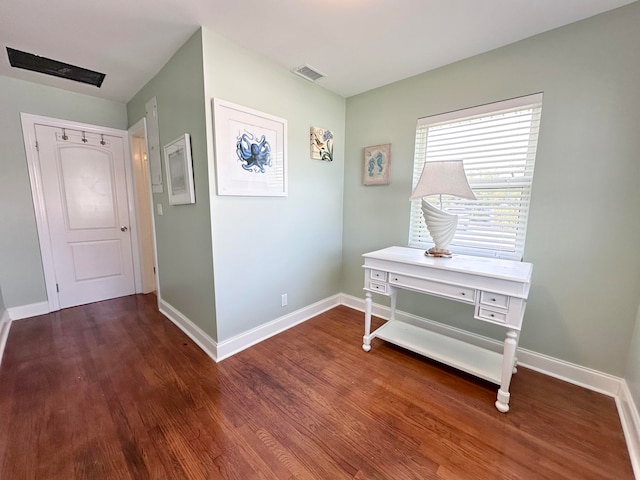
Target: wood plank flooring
x,y
113,390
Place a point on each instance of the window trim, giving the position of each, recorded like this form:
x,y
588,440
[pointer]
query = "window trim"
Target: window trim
x,y
522,185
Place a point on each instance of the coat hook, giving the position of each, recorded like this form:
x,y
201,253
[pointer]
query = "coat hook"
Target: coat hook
x,y
102,142
84,138
64,134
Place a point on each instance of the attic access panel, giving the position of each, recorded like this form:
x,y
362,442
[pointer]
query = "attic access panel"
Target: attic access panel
x,y
47,66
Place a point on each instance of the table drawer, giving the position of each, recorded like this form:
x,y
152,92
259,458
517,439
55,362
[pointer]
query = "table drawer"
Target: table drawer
x,y
378,275
378,287
494,300
491,315
462,294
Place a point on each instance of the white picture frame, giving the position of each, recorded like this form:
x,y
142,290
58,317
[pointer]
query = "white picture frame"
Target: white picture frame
x,y
250,151
179,170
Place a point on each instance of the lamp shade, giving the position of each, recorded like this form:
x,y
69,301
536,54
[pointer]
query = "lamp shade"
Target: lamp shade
x,y
445,177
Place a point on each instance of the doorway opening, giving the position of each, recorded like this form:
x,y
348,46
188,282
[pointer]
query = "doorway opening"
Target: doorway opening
x,y
144,208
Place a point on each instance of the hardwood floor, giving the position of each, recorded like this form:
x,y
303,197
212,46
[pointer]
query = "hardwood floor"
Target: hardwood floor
x,y
113,390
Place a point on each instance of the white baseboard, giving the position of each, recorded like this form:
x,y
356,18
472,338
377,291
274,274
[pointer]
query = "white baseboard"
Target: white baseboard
x,y
630,420
5,325
26,311
570,372
204,341
226,348
244,340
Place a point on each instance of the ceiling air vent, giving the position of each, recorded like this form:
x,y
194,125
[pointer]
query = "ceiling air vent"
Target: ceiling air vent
x,y
47,66
308,73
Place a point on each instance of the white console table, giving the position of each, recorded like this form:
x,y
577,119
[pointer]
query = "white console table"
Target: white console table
x,y
498,290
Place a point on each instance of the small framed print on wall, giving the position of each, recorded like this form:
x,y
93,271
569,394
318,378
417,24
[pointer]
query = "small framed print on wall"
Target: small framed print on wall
x,y
377,164
179,170
321,144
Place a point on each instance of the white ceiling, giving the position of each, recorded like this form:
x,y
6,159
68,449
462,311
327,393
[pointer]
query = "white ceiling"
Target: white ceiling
x,y
358,44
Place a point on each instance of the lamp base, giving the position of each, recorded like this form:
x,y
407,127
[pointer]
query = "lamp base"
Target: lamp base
x,y
438,252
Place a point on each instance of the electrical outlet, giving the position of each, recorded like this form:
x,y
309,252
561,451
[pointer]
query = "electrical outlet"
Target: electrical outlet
x,y
284,299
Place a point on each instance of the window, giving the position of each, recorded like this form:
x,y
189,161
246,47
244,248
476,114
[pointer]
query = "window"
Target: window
x,y
497,144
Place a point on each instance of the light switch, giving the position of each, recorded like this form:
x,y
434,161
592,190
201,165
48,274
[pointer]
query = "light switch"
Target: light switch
x,y
159,208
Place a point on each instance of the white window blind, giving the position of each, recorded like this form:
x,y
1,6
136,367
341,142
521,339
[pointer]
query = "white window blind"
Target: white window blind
x,y
497,144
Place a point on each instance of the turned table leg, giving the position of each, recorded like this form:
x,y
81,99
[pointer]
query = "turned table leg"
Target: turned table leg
x,y
366,340
394,303
508,359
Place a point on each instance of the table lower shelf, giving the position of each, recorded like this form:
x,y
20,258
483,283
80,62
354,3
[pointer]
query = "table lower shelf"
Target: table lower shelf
x,y
472,359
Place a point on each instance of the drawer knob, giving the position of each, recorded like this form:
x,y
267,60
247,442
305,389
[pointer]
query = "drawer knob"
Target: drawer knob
x,y
493,299
492,315
462,293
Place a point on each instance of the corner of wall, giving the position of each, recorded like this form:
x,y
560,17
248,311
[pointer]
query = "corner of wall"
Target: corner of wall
x,y
630,420
5,324
630,394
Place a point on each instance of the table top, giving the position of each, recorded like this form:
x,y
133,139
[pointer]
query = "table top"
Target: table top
x,y
488,267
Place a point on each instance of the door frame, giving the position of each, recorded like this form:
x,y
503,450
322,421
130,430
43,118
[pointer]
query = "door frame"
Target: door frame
x,y
29,122
139,130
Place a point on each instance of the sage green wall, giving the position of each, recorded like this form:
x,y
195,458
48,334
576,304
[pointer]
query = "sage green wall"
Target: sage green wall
x,y
264,247
21,272
183,233
584,227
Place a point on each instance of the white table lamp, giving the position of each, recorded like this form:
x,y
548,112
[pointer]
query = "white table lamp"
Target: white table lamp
x,y
441,178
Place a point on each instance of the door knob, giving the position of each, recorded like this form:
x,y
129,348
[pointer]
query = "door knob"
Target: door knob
x,y
123,228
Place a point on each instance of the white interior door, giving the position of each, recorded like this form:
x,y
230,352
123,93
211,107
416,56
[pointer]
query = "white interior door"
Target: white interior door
x,y
85,193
